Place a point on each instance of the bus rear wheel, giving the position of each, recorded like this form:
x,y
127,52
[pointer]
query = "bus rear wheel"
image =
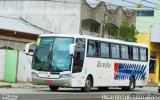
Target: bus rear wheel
x,y
53,88
131,85
88,85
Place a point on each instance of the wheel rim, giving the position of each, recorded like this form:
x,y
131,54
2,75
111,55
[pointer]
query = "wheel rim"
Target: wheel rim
x,y
88,83
132,85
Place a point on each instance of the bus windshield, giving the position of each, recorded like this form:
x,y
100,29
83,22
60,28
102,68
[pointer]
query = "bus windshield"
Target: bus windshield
x,y
52,54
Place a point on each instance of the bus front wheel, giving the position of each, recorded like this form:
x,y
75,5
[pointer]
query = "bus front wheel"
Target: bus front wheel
x,y
88,85
131,85
53,88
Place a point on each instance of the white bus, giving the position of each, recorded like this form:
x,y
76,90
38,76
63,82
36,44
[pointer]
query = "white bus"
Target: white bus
x,y
79,61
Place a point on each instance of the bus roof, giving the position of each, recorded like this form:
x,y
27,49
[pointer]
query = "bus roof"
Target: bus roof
x,y
96,38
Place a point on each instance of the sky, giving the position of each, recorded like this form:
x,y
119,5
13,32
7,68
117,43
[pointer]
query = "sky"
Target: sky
x,y
125,3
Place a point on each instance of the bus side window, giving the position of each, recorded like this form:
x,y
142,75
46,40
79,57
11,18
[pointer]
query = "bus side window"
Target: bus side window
x,y
124,52
143,54
93,49
97,53
130,53
115,48
136,53
104,50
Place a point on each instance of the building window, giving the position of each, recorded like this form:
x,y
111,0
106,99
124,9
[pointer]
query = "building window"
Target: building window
x,y
94,28
145,13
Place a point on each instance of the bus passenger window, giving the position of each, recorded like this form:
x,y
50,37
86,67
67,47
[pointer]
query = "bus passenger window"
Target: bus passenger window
x,y
135,53
115,51
93,49
104,50
130,54
143,54
124,52
97,54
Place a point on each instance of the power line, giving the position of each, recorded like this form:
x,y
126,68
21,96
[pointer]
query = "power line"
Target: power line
x,y
35,25
139,4
71,2
150,2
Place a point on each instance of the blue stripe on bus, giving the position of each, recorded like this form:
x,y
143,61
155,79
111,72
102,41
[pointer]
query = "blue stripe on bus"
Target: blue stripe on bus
x,y
123,71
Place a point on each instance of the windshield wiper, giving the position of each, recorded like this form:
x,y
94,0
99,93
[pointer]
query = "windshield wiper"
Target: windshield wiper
x,y
50,58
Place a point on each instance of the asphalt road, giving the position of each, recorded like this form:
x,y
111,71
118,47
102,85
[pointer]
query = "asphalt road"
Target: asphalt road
x,y
76,94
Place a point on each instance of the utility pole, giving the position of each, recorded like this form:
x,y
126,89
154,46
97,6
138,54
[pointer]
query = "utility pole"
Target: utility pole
x,y
103,25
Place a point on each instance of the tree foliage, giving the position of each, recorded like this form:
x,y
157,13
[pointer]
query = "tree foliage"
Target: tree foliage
x,y
111,30
127,32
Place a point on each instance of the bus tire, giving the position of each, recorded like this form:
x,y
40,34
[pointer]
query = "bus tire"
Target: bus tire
x,y
131,85
88,85
53,88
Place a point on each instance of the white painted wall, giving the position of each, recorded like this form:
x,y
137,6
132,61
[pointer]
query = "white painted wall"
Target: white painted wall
x,y
24,67
57,17
154,36
2,63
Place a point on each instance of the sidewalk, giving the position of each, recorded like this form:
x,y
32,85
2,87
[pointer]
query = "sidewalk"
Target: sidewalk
x,y
5,85
152,85
20,85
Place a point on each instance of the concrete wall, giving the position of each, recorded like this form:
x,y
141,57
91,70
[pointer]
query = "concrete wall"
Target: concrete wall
x,y
155,31
103,15
24,67
143,23
14,43
143,38
2,63
57,17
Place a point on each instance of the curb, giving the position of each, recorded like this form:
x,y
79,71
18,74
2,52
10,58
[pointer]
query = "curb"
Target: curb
x,y
27,86
5,86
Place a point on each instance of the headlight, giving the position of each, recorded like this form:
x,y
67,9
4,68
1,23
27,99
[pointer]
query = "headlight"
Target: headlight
x,y
65,75
34,74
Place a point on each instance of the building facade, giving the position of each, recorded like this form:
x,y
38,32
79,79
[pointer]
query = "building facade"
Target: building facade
x,y
14,34
68,17
148,26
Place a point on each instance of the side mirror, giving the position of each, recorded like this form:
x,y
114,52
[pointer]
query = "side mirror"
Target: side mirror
x,y
71,49
29,49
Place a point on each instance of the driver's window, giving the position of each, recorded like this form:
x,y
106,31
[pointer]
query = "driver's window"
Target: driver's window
x,y
79,55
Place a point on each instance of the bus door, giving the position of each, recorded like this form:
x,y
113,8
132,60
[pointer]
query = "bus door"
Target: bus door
x,y
79,53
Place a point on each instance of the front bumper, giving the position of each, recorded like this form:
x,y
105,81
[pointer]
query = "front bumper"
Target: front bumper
x,y
62,82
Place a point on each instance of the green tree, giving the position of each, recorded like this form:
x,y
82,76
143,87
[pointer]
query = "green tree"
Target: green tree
x,y
127,32
112,30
